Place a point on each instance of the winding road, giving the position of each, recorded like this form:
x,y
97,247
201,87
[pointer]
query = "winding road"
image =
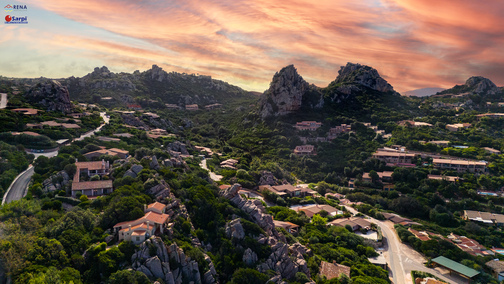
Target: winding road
x,y
18,187
3,100
402,259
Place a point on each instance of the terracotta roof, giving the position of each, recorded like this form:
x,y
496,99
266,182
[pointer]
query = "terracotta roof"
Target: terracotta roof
x,y
496,265
157,205
97,165
285,187
92,185
70,125
26,133
333,270
26,110
224,186
51,123
156,217
120,151
285,225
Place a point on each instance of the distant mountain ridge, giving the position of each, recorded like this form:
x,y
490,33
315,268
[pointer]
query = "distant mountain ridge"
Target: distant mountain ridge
x,y
424,92
153,84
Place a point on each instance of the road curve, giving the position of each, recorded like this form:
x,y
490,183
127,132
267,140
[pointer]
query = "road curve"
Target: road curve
x,y
17,189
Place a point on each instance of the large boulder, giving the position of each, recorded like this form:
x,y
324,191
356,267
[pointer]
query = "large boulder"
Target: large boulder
x,y
50,95
234,229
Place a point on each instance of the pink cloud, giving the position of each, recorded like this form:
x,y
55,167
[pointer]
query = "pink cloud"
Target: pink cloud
x,y
413,44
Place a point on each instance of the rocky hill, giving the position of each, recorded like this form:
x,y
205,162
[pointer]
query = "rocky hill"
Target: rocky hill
x,y
357,91
50,95
152,86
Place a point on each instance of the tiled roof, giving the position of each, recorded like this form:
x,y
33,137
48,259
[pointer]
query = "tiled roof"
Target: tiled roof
x,y
333,270
97,165
157,205
92,185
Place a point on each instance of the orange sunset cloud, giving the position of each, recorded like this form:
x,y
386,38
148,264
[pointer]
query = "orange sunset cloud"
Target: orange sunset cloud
x,y
413,44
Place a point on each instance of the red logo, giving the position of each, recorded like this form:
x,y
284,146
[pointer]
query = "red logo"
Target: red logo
x,y
8,18
8,6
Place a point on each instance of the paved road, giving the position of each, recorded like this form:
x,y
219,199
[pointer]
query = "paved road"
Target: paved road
x,y
213,176
18,188
402,259
3,100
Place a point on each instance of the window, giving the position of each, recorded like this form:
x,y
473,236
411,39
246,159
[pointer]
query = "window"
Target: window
x,y
137,238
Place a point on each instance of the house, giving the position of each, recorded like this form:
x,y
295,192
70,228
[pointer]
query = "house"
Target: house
x,y
491,115
91,188
337,130
311,210
137,231
123,154
26,111
156,207
395,158
388,186
382,176
460,165
25,133
108,139
229,163
151,115
484,217
134,106
396,219
305,150
288,226
469,245
333,270
213,106
355,222
192,107
288,190
457,126
492,150
497,267
172,106
423,236
70,126
411,123
79,114
334,195
34,125
308,125
51,123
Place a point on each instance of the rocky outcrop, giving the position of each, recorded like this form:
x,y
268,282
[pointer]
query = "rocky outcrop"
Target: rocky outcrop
x,y
154,163
51,96
362,75
234,229
267,178
249,257
133,171
132,120
285,260
287,93
254,208
179,147
481,85
170,264
160,191
55,182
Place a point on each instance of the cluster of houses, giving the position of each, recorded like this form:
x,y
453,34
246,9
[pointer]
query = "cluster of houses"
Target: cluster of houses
x,y
457,126
229,163
401,158
155,221
91,188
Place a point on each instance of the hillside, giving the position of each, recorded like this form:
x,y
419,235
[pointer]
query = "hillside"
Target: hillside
x,y
152,86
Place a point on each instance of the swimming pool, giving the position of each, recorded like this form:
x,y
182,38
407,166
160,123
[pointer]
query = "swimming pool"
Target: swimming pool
x,y
499,251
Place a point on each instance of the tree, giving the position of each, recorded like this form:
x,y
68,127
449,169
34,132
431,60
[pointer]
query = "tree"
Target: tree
x,y
249,276
319,221
128,276
374,176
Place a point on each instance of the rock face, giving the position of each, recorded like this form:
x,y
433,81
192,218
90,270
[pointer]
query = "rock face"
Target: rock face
x,y
169,264
51,95
481,85
362,75
285,260
234,229
56,182
267,178
160,191
179,147
286,93
249,257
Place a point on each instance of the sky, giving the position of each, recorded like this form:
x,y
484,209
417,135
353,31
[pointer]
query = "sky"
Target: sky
x,y
412,43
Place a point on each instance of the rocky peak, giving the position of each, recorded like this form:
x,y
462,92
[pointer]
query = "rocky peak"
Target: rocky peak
x,y
157,73
285,94
480,84
51,95
102,72
354,73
